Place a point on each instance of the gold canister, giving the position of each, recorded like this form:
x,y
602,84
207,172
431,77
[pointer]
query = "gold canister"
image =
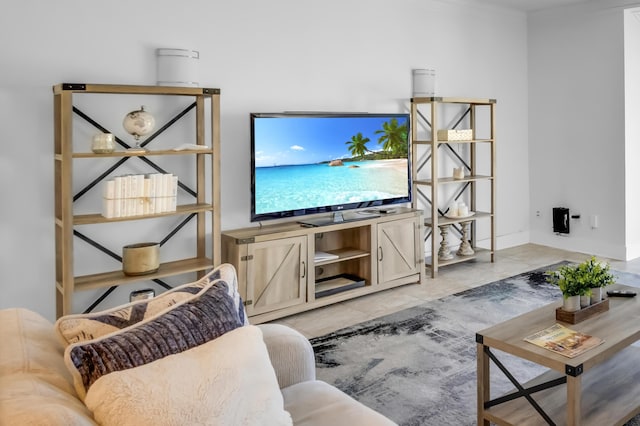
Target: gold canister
x,y
140,258
103,143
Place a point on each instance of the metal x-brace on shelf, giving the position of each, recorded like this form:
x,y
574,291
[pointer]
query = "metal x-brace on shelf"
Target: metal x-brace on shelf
x,y
110,170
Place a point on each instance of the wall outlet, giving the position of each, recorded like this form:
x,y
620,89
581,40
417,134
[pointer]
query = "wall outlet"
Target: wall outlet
x,y
538,214
593,220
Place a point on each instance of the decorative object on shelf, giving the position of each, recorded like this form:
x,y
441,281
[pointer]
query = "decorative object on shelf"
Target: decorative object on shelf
x,y
455,135
136,195
177,67
138,123
458,210
424,83
142,294
458,173
465,248
103,143
190,146
577,280
444,253
468,215
141,258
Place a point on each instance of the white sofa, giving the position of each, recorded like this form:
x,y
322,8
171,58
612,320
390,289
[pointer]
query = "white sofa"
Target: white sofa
x,y
37,388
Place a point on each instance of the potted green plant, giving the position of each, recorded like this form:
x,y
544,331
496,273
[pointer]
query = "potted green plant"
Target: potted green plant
x,y
600,277
583,279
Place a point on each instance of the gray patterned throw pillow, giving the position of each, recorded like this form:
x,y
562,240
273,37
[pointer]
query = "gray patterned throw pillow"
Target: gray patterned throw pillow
x,y
81,327
188,324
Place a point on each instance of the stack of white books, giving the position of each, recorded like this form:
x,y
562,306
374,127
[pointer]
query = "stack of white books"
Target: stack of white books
x,y
137,195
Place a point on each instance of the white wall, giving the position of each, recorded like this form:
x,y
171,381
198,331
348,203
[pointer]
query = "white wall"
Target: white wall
x,y
577,126
632,128
265,56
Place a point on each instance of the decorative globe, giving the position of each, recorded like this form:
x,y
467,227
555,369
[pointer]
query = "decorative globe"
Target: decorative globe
x,y
138,123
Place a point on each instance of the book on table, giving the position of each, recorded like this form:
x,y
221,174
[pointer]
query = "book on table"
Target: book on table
x,y
563,340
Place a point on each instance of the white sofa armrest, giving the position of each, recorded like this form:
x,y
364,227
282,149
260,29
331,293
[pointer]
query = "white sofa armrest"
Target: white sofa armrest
x,y
291,354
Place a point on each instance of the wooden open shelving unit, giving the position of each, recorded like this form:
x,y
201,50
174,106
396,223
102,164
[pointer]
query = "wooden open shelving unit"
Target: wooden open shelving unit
x,y
426,119
205,210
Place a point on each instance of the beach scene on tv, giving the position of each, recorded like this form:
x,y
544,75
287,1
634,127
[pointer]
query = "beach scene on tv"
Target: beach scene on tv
x,y
310,162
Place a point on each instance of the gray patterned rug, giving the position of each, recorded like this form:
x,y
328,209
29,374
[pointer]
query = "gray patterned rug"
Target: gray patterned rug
x,y
418,366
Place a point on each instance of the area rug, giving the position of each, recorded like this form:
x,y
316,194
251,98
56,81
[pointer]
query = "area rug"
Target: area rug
x,y
418,366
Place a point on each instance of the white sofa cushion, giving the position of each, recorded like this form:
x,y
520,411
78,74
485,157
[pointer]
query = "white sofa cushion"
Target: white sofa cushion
x,y
26,399
29,346
35,386
227,381
316,403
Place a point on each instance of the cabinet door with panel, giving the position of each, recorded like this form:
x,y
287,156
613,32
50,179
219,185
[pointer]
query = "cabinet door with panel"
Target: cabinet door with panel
x,y
398,251
276,274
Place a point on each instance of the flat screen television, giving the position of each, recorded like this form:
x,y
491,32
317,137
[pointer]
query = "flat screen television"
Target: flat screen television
x,y
310,163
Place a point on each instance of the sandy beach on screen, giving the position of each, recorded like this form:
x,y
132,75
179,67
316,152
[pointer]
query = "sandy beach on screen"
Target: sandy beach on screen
x,y
398,163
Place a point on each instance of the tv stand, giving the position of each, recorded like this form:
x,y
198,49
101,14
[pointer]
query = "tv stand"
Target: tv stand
x,y
337,217
286,268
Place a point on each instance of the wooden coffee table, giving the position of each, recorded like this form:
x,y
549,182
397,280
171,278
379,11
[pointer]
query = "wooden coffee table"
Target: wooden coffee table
x,y
599,387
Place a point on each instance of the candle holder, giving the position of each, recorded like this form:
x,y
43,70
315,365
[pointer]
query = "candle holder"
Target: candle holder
x,y
445,252
465,248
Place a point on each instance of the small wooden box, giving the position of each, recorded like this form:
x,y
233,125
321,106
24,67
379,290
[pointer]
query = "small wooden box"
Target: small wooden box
x,y
455,135
582,314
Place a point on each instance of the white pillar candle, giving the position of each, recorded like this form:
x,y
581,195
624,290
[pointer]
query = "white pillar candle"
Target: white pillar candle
x,y
453,209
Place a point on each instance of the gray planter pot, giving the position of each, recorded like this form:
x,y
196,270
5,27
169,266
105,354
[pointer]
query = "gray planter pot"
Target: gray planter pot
x,y
585,301
571,303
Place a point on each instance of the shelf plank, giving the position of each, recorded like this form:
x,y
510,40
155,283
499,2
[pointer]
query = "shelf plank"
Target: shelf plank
x,y
473,178
126,89
466,141
89,219
112,278
343,254
453,100
337,285
429,142
457,259
443,220
120,154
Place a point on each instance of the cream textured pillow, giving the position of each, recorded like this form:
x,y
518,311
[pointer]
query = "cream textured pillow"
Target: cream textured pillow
x,y
227,381
82,327
186,325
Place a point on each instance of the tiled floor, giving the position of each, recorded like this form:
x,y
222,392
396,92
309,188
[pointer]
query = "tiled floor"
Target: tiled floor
x,y
451,279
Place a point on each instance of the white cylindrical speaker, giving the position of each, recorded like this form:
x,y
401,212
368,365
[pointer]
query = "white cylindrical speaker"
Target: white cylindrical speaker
x,y
424,83
177,67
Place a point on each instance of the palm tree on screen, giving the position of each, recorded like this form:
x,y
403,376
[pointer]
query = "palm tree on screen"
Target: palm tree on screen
x,y
394,137
358,145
